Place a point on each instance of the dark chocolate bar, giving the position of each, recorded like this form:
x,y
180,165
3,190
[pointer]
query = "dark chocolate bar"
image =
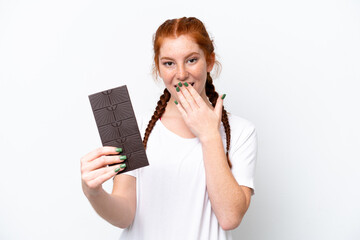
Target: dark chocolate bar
x,y
116,122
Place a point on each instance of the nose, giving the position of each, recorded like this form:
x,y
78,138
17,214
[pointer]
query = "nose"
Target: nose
x,y
182,74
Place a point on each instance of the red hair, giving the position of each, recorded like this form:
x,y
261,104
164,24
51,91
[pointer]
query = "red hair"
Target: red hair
x,y
194,28
174,28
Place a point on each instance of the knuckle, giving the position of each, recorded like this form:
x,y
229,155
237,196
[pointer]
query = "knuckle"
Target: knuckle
x,y
85,178
103,160
92,185
100,151
84,169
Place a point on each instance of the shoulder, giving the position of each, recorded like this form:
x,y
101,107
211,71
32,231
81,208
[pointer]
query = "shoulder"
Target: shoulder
x,y
242,130
240,125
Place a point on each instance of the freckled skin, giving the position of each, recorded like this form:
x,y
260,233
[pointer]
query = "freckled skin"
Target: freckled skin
x,y
181,59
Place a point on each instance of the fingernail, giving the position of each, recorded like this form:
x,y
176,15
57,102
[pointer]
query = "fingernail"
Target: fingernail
x,y
118,169
123,165
118,149
223,96
186,84
176,102
122,157
180,84
177,89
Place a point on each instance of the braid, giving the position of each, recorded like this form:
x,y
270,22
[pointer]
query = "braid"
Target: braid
x,y
195,29
213,96
159,110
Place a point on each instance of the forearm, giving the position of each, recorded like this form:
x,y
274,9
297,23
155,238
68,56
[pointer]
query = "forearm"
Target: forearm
x,y
226,196
114,209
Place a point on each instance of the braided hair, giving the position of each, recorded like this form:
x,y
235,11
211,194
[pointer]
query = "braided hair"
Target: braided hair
x,y
196,29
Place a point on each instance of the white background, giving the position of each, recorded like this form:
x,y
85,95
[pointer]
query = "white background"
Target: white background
x,y
290,67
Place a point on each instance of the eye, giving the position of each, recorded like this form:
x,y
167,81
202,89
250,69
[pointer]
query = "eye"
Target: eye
x,y
168,64
192,60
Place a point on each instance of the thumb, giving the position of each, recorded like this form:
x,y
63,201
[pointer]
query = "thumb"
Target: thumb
x,y
219,104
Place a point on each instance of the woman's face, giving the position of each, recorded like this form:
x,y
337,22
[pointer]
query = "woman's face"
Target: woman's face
x,y
182,60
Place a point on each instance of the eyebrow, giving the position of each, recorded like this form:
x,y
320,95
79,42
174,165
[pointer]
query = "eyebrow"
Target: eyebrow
x,y
185,56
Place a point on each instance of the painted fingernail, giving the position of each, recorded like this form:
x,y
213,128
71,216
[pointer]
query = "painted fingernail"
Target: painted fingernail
x,y
186,84
223,96
180,84
177,89
118,169
123,165
176,102
122,157
118,149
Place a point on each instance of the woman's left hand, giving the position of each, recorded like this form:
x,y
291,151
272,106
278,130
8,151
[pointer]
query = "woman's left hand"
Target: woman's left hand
x,y
203,121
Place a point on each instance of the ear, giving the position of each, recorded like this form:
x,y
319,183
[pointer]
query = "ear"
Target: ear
x,y
210,64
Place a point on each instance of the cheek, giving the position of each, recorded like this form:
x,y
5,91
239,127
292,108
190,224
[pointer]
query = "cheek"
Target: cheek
x,y
201,70
165,74
201,74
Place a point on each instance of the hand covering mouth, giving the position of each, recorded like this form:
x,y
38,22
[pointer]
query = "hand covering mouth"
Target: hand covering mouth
x,y
192,84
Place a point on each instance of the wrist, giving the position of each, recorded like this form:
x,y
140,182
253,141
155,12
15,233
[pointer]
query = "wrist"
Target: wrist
x,y
210,137
93,193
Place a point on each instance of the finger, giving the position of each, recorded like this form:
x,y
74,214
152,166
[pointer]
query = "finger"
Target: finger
x,y
181,110
100,152
219,105
189,97
196,96
103,161
90,176
104,176
184,103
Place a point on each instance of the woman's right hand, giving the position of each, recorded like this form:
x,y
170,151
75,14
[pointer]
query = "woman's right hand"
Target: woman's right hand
x,y
95,170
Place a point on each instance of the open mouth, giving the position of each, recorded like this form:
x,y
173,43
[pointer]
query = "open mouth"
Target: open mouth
x,y
192,84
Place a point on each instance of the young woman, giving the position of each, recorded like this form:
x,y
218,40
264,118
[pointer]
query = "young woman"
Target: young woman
x,y
202,159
